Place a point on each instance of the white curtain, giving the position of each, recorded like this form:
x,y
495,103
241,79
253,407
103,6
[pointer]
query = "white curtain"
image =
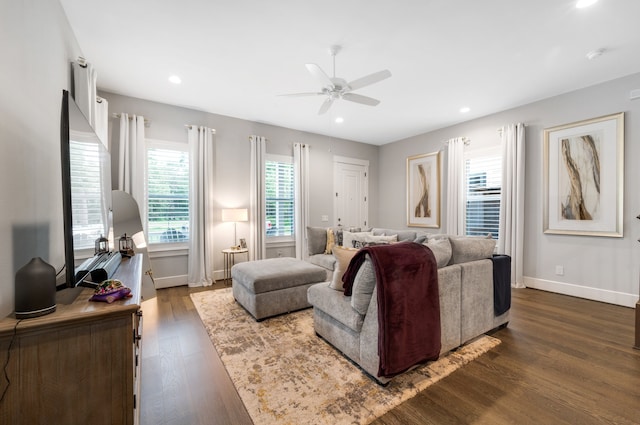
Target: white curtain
x,y
84,89
257,248
455,186
301,201
512,205
131,158
102,121
94,108
201,178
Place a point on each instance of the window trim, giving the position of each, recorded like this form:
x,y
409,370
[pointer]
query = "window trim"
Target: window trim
x,y
489,151
157,247
278,240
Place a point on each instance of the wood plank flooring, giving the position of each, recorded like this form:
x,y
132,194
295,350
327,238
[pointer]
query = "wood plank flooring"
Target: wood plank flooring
x,y
562,360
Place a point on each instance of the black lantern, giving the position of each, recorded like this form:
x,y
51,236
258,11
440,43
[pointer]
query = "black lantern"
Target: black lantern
x,y
102,245
126,246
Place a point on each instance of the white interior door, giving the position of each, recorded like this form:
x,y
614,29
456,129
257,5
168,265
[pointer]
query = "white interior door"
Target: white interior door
x,y
351,192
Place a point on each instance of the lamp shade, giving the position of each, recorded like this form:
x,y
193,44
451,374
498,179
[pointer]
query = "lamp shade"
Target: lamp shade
x,y
235,214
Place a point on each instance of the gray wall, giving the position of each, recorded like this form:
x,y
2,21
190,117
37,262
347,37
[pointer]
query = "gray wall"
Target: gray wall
x,y
604,269
36,47
232,171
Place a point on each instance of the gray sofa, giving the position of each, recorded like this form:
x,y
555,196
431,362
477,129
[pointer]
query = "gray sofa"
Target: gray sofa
x,y
466,292
317,243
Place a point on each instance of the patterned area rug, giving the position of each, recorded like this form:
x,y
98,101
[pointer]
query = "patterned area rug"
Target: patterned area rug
x,y
285,374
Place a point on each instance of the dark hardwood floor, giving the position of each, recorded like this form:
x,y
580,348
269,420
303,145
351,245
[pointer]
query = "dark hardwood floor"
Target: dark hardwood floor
x,y
562,360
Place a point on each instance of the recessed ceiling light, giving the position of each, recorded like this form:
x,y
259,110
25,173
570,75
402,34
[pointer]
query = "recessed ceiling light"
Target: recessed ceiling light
x,y
339,120
175,79
465,109
581,4
595,54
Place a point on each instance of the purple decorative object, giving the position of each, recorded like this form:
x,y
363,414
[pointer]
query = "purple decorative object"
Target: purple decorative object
x,y
110,290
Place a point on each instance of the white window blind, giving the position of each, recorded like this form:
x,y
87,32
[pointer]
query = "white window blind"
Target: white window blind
x,y
483,178
279,197
167,194
87,205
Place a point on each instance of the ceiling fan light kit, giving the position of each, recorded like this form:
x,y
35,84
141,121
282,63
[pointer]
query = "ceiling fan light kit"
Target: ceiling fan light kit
x,y
335,88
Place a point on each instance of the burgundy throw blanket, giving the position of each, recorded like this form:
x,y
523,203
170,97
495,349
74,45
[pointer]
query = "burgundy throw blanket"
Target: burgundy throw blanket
x,y
408,304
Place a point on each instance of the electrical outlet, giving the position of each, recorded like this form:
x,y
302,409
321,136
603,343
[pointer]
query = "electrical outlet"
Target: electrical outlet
x,y
279,253
560,270
324,218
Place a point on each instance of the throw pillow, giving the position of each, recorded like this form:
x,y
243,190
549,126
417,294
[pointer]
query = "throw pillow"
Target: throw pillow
x,y
363,286
331,241
337,232
343,257
361,244
349,237
316,240
420,239
465,249
441,249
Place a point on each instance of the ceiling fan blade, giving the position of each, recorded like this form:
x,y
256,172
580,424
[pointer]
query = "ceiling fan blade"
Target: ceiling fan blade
x,y
358,98
319,74
302,94
369,79
325,106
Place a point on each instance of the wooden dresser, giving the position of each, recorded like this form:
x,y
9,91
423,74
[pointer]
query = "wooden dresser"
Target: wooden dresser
x,y
78,365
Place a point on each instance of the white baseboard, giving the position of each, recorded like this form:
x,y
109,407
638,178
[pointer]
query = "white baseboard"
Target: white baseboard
x,y
595,294
171,281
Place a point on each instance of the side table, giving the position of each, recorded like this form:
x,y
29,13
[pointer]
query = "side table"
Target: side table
x,y
230,260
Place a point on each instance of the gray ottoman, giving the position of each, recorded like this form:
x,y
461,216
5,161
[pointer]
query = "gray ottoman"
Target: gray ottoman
x,y
274,286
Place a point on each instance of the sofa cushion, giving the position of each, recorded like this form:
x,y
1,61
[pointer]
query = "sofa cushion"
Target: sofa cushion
x,y
316,240
382,238
441,248
343,257
363,286
327,261
465,249
403,235
349,237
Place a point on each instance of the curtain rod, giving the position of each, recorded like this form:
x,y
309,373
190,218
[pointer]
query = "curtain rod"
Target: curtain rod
x,y
500,129
265,139
466,140
147,123
190,126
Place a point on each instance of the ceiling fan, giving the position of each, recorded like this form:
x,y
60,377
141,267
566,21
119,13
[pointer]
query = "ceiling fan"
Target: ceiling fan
x,y
335,88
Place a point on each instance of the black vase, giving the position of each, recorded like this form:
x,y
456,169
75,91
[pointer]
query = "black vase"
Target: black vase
x,y
35,289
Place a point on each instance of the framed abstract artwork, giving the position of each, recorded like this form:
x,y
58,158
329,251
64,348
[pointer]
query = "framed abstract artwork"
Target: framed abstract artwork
x,y
583,177
423,190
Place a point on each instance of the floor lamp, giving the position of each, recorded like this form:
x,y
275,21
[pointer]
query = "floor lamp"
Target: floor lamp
x,y
235,215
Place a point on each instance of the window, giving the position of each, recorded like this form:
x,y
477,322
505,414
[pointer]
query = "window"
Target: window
x,y
167,192
483,176
279,197
87,205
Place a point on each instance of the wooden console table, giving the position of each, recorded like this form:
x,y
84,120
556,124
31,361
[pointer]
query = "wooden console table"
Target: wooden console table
x,y
78,365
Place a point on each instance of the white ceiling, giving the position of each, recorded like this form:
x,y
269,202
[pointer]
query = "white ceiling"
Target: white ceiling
x,y
236,57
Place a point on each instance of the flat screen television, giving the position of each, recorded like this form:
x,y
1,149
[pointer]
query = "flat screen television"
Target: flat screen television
x,y
86,191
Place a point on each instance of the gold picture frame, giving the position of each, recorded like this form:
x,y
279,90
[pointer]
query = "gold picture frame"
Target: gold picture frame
x,y
423,190
584,177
